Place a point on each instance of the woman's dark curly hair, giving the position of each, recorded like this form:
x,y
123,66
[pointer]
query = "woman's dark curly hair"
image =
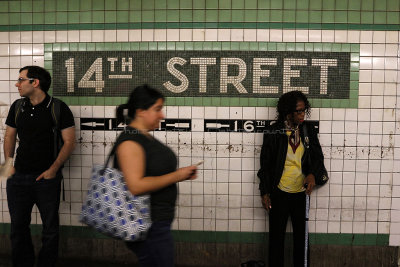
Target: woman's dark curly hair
x,y
287,104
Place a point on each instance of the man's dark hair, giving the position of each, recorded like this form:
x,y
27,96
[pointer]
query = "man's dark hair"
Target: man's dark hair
x,y
287,104
39,73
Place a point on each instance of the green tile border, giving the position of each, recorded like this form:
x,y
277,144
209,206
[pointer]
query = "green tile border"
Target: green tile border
x,y
86,25
352,102
213,101
287,14
222,237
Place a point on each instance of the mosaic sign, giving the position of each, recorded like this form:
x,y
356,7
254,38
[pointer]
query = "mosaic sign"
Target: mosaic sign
x,y
185,125
110,124
202,73
245,126
248,126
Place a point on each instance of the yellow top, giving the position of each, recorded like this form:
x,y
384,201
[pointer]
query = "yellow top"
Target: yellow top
x,y
292,176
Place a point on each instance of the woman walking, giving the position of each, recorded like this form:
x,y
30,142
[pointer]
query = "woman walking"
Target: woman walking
x,y
149,167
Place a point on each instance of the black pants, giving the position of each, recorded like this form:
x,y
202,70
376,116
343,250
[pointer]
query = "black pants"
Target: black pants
x,y
22,193
158,248
285,205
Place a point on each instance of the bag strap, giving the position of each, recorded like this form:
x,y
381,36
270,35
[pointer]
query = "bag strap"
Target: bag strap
x,y
307,145
112,153
306,139
120,139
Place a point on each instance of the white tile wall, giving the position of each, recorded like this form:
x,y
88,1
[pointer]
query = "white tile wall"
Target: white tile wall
x,y
361,146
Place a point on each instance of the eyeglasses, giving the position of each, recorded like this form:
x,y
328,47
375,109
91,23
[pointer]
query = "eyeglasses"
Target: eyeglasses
x,y
20,80
299,111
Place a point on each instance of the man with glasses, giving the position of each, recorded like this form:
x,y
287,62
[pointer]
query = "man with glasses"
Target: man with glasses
x,y
36,176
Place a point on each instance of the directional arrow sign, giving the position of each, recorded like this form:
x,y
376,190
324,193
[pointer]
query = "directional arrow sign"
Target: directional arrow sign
x,y
110,124
246,126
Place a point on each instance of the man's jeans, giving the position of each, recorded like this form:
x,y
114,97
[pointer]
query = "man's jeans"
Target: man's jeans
x,y
22,193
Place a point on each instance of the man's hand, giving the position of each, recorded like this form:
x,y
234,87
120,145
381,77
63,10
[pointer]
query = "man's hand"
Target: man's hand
x,y
266,202
10,138
49,174
12,171
310,182
7,169
68,136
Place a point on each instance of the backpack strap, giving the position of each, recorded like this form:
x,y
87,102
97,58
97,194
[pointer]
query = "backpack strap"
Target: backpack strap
x,y
55,111
18,108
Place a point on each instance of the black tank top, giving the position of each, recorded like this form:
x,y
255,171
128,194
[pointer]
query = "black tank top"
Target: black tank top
x,y
160,160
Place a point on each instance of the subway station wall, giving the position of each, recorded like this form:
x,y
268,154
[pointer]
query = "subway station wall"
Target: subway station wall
x,y
222,65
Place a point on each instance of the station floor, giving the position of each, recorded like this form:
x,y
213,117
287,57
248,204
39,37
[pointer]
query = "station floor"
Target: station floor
x,y
4,262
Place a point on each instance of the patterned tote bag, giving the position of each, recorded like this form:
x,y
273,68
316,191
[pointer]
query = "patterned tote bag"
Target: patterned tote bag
x,y
111,209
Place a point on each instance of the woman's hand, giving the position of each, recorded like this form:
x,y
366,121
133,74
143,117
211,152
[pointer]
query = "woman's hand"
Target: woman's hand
x,y
266,202
131,159
310,182
187,173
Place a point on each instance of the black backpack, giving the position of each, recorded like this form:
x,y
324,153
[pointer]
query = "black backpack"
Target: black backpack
x,y
55,110
55,107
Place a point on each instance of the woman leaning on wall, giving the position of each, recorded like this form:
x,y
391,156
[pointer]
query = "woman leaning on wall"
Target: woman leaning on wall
x,y
287,174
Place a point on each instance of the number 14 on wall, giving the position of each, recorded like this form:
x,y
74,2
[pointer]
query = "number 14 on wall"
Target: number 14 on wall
x,y
95,69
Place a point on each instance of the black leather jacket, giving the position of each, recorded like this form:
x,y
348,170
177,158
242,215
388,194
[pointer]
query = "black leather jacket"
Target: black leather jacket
x,y
273,156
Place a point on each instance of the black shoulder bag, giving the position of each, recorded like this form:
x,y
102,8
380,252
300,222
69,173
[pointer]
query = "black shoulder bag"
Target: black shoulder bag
x,y
321,177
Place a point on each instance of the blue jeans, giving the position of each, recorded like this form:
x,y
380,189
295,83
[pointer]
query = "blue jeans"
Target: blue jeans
x,y
22,193
158,248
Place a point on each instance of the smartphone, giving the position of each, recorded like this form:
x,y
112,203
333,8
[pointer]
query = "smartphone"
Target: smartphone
x,y
200,162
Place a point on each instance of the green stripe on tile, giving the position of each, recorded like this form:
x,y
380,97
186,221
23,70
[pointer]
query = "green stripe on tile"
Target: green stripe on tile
x,y
247,7
209,101
350,239
280,14
223,237
199,25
